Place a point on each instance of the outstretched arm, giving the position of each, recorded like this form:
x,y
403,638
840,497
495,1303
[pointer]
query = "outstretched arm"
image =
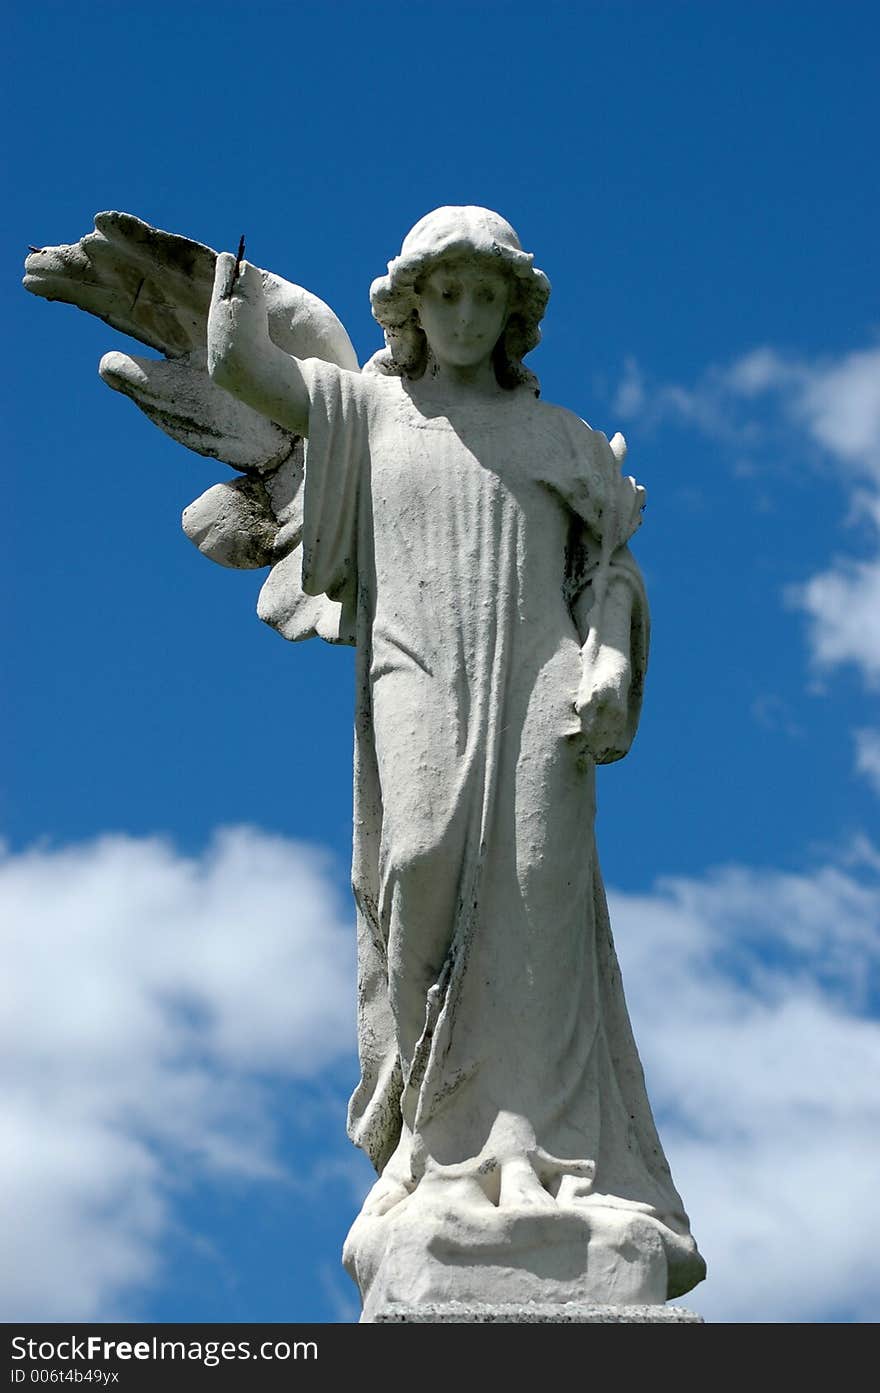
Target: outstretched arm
x,y
242,358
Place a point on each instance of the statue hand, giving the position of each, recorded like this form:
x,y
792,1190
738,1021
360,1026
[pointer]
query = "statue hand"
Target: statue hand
x,y
602,705
238,320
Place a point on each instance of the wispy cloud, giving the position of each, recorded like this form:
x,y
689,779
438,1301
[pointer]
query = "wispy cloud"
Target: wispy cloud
x,y
843,609
150,1000
837,404
832,403
868,755
758,1019
754,996
836,401
704,406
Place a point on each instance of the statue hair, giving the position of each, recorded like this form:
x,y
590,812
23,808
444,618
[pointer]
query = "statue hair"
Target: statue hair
x,y
394,300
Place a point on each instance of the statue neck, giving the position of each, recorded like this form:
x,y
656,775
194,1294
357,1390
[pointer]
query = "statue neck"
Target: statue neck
x,y
452,379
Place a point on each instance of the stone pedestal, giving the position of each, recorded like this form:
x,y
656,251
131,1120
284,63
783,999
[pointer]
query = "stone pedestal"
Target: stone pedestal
x,y
571,1313
446,1248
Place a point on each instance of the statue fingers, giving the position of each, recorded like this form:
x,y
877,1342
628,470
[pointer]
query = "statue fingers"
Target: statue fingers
x,y
238,280
223,275
249,284
603,713
605,731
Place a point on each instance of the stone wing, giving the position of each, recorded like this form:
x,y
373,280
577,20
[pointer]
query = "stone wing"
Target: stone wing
x,y
156,287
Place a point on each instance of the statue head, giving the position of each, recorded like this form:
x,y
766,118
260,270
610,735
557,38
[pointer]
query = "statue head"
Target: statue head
x,y
455,239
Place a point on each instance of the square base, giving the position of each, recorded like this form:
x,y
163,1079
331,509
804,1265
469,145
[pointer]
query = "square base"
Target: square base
x,y
567,1313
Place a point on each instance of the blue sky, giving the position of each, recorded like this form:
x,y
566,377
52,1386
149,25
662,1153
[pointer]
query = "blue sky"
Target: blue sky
x,y
698,183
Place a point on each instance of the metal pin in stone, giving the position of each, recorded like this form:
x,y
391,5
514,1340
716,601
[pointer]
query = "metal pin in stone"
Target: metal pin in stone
x,y
236,268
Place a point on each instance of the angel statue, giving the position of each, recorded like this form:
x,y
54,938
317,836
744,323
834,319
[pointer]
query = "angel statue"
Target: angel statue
x,y
472,542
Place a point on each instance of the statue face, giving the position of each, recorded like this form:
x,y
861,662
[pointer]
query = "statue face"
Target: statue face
x,y
463,309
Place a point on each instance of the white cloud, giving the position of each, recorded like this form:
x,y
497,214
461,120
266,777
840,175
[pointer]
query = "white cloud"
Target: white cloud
x,y
703,406
835,401
751,989
837,404
751,994
150,998
834,404
868,755
843,609
840,404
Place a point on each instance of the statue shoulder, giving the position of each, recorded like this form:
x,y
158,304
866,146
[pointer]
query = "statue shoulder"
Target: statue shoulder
x,y
569,439
566,423
346,389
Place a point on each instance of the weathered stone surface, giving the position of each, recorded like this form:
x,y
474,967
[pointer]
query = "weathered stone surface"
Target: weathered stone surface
x,y
430,1250
472,541
570,1313
179,397
156,286
233,524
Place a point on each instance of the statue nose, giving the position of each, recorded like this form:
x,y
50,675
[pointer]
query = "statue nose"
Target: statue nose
x,y
466,308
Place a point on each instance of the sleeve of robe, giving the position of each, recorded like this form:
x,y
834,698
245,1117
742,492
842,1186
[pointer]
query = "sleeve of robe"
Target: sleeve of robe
x,y
607,510
312,589
336,550
337,461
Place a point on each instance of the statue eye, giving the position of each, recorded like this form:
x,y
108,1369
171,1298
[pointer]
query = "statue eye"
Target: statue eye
x,y
449,292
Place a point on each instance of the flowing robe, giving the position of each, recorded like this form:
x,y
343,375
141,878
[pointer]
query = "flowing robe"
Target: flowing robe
x,y
460,539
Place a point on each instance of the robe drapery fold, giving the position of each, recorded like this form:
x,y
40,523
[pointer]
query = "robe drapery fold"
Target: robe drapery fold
x,y
465,538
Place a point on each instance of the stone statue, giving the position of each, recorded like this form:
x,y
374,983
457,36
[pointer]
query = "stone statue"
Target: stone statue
x,y
471,541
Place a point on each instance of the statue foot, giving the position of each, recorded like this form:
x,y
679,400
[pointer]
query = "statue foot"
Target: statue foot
x,y
521,1187
385,1194
449,1242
